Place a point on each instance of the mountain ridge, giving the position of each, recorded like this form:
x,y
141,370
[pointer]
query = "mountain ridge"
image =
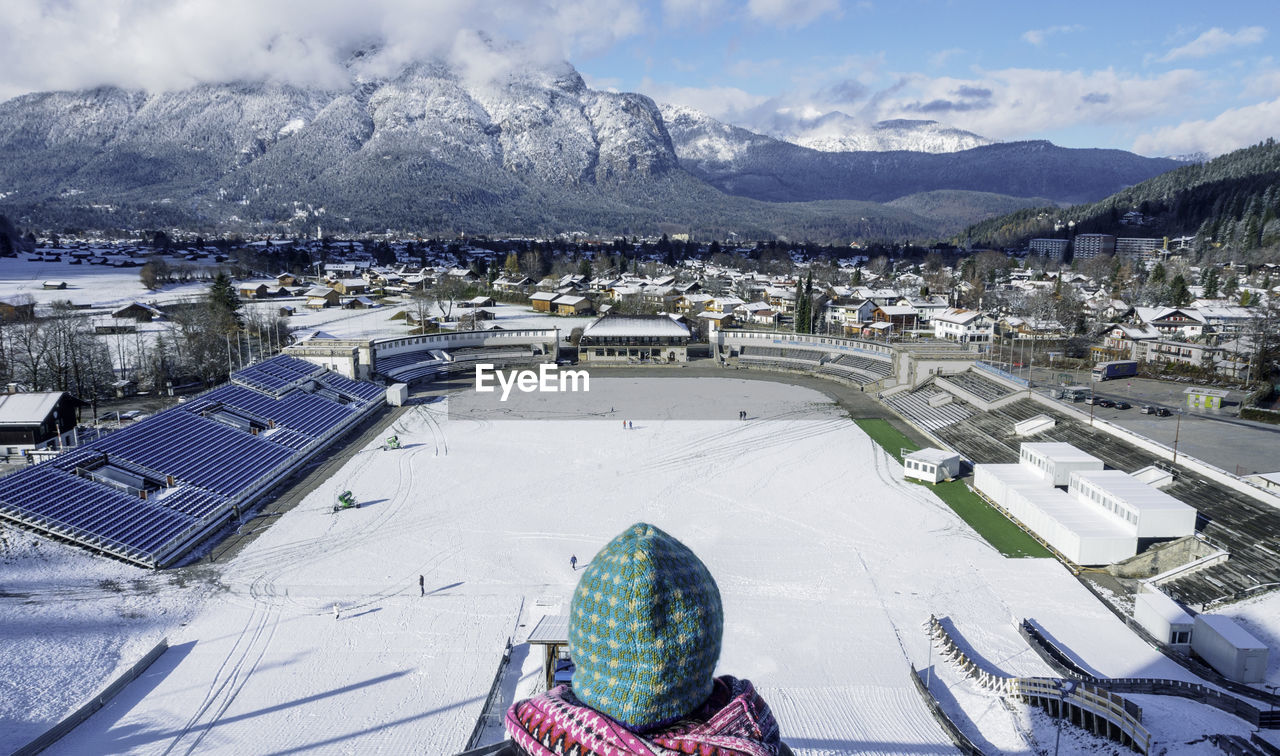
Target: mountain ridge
x,y
534,151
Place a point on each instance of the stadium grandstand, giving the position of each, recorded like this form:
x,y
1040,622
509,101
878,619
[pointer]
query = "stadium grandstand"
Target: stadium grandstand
x,y
1242,525
852,360
150,492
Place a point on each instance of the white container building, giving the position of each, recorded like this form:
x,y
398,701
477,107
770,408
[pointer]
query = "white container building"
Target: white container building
x,y
1161,616
931,465
1056,460
995,481
1152,513
1082,534
397,394
1229,648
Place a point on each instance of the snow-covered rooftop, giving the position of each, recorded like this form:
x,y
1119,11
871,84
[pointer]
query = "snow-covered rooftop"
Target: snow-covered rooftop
x,y
635,325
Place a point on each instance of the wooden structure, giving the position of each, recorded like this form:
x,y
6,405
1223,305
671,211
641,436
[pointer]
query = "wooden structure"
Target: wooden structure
x,y
552,633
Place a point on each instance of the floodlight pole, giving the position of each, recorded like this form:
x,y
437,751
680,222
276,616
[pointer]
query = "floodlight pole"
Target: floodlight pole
x,y
1177,431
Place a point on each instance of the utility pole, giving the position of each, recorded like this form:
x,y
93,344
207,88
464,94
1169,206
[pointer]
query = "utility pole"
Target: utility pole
x,y
1177,431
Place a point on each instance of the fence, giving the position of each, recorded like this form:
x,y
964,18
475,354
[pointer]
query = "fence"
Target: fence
x,y
50,736
1055,658
958,737
1083,704
483,720
992,369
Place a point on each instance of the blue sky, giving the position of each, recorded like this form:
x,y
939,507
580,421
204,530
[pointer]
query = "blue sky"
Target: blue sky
x,y
1140,76
1157,78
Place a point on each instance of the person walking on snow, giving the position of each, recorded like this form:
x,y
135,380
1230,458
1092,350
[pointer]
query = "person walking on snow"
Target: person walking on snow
x,y
335,611
573,561
422,586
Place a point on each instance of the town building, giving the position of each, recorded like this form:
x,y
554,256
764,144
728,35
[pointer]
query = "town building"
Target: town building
x,y
1089,246
634,338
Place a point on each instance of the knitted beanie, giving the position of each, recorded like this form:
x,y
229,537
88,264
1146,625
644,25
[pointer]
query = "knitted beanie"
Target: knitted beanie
x,y
644,630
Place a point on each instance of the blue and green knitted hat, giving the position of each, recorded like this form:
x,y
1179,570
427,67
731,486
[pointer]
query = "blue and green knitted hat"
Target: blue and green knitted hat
x,y
644,630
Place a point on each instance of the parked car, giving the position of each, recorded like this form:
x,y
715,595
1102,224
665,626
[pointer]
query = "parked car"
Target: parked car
x,y
1147,409
1162,412
1106,403
1092,400
1123,404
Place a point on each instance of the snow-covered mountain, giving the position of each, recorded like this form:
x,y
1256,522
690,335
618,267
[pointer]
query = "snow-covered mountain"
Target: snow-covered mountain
x,y
529,149
744,163
837,132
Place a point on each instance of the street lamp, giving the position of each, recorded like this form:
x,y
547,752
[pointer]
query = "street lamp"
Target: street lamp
x,y
1177,431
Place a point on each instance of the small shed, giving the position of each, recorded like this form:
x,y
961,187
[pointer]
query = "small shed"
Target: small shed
x,y
542,300
1161,616
568,304
931,465
552,633
124,388
1204,398
321,296
1229,648
480,301
55,284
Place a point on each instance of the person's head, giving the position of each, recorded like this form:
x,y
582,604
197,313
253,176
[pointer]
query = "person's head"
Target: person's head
x,y
644,630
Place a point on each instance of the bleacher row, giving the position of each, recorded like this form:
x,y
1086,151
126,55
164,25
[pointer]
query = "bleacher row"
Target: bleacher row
x,y
855,368
429,364
277,375
980,386
194,462
914,405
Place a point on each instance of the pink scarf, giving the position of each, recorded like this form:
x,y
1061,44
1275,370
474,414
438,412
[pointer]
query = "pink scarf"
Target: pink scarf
x,y
734,721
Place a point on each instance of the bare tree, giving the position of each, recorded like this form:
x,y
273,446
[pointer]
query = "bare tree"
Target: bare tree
x,y
446,293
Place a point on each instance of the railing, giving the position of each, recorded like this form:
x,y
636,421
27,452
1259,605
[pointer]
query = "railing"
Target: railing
x,y
1204,694
992,369
1123,717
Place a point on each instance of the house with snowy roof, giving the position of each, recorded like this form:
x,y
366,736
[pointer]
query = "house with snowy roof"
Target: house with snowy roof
x,y
37,420
963,326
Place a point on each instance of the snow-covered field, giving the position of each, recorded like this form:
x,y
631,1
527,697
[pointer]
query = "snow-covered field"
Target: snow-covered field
x,y
96,285
376,323
829,566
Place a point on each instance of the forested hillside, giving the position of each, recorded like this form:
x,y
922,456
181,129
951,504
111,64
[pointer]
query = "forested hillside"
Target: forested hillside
x,y
1231,204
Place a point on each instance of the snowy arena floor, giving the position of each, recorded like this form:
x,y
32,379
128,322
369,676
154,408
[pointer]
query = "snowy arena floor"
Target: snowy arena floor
x,y
828,563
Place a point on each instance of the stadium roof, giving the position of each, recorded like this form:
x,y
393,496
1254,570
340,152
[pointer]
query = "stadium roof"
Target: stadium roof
x,y
635,325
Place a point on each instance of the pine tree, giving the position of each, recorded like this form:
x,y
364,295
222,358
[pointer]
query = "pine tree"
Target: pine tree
x,y
1179,294
1157,275
1230,285
808,303
801,310
224,304
1209,280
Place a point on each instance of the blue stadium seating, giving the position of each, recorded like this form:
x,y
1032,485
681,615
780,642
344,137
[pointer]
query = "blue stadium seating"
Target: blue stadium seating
x,y
198,466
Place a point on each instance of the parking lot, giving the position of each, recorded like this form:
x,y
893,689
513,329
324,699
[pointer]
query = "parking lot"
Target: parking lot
x,y
1218,437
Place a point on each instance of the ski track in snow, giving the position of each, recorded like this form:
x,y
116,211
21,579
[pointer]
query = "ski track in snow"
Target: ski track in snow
x,y
829,565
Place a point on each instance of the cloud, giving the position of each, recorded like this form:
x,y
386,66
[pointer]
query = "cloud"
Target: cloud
x,y
796,13
1215,41
172,44
1020,102
940,58
722,103
844,91
1037,36
933,107
700,12
1230,130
